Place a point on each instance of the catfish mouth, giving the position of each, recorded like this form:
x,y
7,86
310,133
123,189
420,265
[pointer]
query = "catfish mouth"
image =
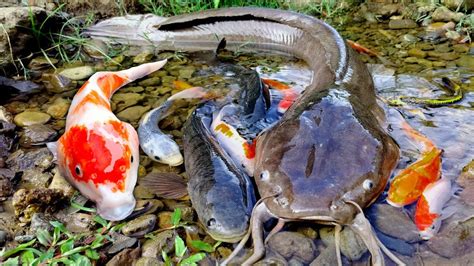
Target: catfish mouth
x,y
226,237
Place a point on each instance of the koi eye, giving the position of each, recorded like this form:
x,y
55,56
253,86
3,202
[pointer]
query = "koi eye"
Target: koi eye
x,y
433,227
211,222
368,184
78,170
157,158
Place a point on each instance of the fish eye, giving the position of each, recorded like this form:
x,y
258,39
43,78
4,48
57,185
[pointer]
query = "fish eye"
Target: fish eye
x,y
433,227
131,159
157,158
368,184
78,170
211,222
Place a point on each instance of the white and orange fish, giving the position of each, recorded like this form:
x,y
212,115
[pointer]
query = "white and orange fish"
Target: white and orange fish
x,y
288,97
239,149
98,153
408,185
430,209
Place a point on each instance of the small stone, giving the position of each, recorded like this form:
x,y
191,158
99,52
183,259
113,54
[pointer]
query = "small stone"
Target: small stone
x,y
441,26
3,237
135,89
147,261
417,53
454,240
38,200
453,35
127,256
409,38
140,226
29,118
155,205
443,48
442,13
351,245
59,108
133,114
439,64
60,183
35,178
164,219
143,192
448,56
466,61
41,63
120,242
35,158
186,73
308,232
124,100
401,226
156,81
24,238
162,241
37,134
402,24
143,57
326,257
461,48
78,73
39,221
293,245
55,83
79,222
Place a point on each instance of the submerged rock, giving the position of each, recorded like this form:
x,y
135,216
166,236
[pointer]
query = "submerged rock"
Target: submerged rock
x,y
55,83
21,160
454,240
293,245
36,135
397,24
133,114
79,222
127,256
140,226
29,118
78,73
163,241
27,202
120,242
442,13
352,246
58,108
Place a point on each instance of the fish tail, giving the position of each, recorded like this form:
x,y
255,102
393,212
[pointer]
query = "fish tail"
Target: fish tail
x,y
191,93
140,71
428,144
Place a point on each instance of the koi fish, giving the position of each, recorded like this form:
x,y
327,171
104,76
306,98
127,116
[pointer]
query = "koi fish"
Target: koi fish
x,y
288,95
429,211
241,151
98,153
361,49
409,184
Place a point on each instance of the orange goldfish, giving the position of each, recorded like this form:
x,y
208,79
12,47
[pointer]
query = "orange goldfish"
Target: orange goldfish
x,y
409,184
98,153
361,49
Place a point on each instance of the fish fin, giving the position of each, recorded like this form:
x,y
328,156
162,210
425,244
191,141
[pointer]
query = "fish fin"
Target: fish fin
x,y
142,70
53,148
221,46
165,185
191,93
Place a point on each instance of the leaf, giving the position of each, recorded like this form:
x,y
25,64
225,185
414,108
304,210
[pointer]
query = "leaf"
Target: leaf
x,y
82,208
63,260
98,241
176,217
12,262
61,227
56,236
92,254
166,259
193,259
202,246
100,220
67,246
74,251
82,261
44,237
179,247
21,247
27,257
46,255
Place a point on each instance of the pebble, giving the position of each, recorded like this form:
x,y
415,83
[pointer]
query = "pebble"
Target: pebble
x,y
39,221
155,81
142,192
143,57
41,63
417,53
59,108
454,239
55,83
24,238
61,184
140,226
147,261
3,237
127,256
79,222
37,134
120,242
400,225
133,114
29,118
163,241
409,38
442,13
21,160
326,257
466,61
35,178
453,35
155,205
402,24
78,73
124,100
293,245
351,245
164,219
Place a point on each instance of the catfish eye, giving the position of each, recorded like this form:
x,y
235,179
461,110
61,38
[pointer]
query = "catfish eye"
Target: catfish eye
x,y
368,184
131,159
157,158
211,222
78,170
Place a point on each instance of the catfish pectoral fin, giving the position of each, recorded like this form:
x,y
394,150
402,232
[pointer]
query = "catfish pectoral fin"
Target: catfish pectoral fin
x,y
166,185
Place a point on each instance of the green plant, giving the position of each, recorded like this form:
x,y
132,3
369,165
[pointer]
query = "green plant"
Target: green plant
x,y
61,246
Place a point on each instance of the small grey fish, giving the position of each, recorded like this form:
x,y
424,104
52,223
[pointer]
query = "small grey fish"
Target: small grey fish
x,y
221,193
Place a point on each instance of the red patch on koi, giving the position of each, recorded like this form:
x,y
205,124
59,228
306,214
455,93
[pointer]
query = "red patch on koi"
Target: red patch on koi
x,y
249,149
109,82
95,158
225,129
423,217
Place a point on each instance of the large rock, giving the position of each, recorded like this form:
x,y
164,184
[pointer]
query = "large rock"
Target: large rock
x,y
293,245
17,37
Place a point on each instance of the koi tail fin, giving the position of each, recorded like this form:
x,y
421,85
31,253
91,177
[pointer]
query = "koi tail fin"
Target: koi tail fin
x,y
140,71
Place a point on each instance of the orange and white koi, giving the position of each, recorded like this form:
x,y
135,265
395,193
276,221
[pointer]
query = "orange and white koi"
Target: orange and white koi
x,y
361,49
409,184
289,96
430,209
98,153
239,149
